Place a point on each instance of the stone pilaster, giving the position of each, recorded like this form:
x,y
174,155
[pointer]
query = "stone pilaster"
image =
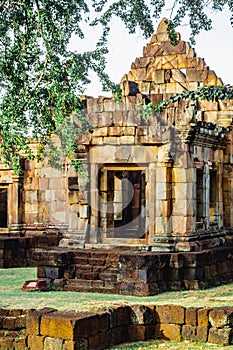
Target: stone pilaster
x,y
14,202
94,199
183,210
163,240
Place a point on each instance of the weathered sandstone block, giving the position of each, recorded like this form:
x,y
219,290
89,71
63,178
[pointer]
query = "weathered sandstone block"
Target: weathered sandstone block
x,y
170,314
202,317
221,336
140,314
168,332
141,332
71,325
33,320
220,317
191,316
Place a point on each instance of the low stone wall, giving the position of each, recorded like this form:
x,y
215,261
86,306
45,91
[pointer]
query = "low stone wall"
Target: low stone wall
x,y
69,330
17,251
134,272
13,329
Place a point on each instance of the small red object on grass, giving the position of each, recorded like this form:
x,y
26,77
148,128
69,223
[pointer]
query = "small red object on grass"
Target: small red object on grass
x,y
36,285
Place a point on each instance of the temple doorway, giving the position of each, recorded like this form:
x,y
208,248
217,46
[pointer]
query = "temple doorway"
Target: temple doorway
x,y
123,203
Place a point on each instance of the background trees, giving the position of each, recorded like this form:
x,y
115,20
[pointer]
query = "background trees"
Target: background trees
x,y
42,78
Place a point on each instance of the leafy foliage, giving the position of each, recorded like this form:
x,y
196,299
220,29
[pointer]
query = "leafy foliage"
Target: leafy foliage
x,y
210,93
41,79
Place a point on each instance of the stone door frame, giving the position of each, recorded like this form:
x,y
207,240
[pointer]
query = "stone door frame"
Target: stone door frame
x,y
133,157
14,219
104,229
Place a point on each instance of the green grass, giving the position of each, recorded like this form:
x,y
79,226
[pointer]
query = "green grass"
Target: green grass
x,y
11,296
163,345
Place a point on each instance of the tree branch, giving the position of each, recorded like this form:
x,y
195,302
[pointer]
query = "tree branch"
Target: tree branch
x,y
2,4
173,7
38,8
40,77
46,60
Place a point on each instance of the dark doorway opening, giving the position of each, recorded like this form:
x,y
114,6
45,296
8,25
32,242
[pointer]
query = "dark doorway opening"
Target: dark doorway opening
x,y
3,207
126,193
213,195
200,197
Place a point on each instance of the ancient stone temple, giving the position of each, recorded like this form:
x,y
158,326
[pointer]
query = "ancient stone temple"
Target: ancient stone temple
x,y
162,182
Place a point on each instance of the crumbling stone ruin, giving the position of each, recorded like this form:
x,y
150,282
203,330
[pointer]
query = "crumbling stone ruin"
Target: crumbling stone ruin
x,y
161,183
38,329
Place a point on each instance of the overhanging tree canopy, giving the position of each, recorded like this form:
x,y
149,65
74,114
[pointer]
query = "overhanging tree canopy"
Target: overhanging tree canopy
x,y
41,79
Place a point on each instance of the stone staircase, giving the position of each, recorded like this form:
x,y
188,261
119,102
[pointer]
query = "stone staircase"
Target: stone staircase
x,y
122,271
93,271
80,270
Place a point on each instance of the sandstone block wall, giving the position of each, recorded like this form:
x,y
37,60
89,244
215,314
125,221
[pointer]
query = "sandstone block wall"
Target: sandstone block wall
x,y
12,329
183,136
48,328
74,330
44,194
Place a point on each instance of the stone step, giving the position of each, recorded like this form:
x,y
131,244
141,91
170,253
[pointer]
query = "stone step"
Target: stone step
x,y
73,239
74,233
89,261
89,272
72,243
96,286
90,257
108,276
80,260
74,236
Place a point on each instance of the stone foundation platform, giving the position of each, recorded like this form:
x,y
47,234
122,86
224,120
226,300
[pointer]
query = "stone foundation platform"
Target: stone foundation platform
x,y
17,251
133,272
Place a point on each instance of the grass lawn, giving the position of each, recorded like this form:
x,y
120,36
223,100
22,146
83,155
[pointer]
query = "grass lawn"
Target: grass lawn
x,y
11,296
164,345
